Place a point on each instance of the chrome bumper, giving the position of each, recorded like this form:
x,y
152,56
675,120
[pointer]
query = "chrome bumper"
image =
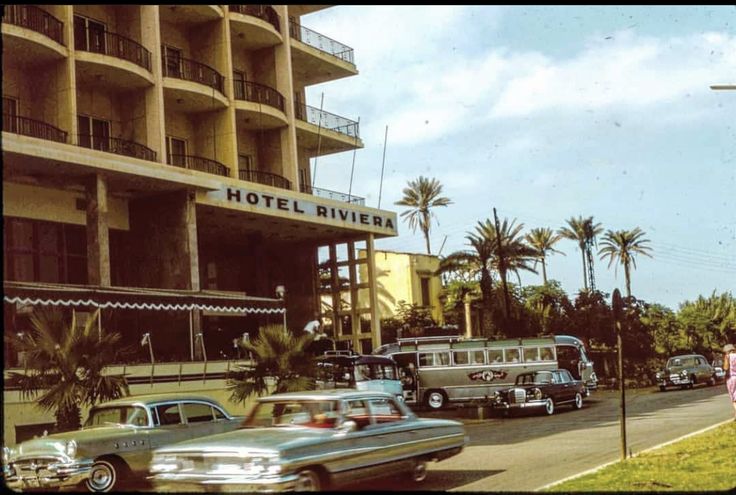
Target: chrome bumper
x,y
520,405
52,476
222,483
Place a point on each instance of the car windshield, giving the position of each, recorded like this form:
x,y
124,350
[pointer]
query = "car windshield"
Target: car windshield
x,y
537,377
124,415
680,362
309,413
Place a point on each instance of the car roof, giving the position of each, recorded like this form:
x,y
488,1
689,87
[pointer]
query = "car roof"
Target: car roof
x,y
333,394
153,398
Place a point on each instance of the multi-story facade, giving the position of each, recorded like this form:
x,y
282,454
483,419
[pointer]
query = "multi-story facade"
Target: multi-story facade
x,y
156,164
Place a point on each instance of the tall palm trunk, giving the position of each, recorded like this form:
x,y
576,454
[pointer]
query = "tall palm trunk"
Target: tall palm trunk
x,y
585,277
628,279
68,418
544,271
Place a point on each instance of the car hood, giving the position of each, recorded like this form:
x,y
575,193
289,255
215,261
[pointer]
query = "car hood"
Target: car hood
x,y
676,369
254,439
55,444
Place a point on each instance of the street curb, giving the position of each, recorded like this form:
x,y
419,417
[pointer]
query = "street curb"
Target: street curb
x,y
598,468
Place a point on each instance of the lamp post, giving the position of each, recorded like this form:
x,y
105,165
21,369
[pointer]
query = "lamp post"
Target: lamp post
x,y
618,304
281,294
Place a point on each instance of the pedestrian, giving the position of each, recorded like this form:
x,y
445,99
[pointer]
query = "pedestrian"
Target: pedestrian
x,y
729,366
313,328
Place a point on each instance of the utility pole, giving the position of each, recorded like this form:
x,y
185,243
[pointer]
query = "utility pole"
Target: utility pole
x,y
618,304
502,266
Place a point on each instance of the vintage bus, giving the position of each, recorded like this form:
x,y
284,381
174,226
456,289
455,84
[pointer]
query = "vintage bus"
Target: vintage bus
x,y
438,370
343,369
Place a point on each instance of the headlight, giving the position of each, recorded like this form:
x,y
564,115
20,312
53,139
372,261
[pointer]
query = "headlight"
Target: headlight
x,y
164,464
6,455
683,373
71,448
534,393
658,375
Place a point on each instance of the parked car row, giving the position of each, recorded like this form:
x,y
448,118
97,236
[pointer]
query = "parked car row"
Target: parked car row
x,y
305,441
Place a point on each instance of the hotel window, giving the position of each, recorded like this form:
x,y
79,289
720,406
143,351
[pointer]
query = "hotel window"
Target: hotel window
x,y
176,151
239,84
424,281
93,133
38,251
10,112
89,35
172,59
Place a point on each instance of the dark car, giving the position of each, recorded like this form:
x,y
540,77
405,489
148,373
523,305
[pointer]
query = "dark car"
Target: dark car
x,y
686,371
542,390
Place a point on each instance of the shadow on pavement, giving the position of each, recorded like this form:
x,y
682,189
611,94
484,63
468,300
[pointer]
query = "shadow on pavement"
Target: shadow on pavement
x,y
437,480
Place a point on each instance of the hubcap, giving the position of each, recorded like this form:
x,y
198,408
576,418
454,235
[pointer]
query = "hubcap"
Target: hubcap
x,y
102,478
436,400
307,482
550,406
578,401
420,471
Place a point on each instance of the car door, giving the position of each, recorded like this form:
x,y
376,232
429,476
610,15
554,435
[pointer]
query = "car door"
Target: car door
x,y
200,419
169,425
565,385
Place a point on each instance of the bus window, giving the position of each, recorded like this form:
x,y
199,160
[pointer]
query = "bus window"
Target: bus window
x,y
460,357
495,356
389,372
546,354
426,359
442,359
512,355
477,357
531,354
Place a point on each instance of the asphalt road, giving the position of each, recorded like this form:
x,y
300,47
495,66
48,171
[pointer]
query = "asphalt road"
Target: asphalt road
x,y
524,453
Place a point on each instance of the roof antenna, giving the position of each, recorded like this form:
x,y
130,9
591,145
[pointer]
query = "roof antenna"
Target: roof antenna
x,y
319,139
383,163
352,169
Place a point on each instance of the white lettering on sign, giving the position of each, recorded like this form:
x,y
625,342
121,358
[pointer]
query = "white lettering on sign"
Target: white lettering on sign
x,y
267,201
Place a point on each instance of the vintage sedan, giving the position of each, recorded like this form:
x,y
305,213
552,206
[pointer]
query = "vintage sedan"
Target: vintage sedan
x,y
686,371
541,390
311,441
115,443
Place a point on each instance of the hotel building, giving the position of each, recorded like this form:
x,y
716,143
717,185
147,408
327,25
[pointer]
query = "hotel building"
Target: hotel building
x,y
156,165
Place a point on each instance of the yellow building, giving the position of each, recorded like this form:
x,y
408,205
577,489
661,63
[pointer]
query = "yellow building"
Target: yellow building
x,y
156,165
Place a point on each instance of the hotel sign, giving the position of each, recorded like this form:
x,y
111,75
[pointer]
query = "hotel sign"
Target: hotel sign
x,y
274,203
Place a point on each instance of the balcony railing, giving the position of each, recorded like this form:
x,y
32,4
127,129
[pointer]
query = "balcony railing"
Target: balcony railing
x,y
321,42
198,163
189,70
258,93
33,128
117,146
107,43
265,12
326,120
36,19
265,178
326,193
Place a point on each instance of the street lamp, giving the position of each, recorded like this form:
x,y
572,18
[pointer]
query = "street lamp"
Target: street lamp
x,y
281,294
618,305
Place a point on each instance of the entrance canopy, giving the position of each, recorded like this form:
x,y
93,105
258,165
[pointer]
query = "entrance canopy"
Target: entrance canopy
x,y
33,293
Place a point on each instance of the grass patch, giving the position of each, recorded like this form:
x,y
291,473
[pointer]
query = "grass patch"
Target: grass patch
x,y
705,462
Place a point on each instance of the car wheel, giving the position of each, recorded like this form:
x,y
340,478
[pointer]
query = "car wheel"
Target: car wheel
x,y
578,404
693,381
419,471
712,381
662,388
105,475
436,399
549,407
308,481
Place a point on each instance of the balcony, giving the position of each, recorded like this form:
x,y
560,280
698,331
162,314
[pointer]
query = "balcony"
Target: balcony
x,y
180,72
33,128
326,131
317,58
253,27
31,35
190,15
338,196
112,44
189,70
265,178
251,112
117,146
198,163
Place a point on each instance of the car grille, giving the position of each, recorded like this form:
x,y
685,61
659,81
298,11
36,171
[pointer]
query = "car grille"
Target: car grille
x,y
33,465
517,396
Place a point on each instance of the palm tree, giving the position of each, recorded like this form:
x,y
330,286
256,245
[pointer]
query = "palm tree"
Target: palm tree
x,y
64,365
621,246
422,195
543,240
276,355
583,231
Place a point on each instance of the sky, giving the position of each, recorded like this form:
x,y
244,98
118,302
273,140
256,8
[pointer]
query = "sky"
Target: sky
x,y
545,113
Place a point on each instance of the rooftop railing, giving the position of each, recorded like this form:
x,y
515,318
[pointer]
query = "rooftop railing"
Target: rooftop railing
x,y
326,193
321,42
265,12
258,93
117,146
33,128
189,70
35,19
198,163
107,43
326,120
265,178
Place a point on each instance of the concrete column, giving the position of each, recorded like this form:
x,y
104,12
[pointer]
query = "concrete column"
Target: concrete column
x,y
285,85
227,130
353,282
373,292
98,239
335,289
468,322
67,77
154,95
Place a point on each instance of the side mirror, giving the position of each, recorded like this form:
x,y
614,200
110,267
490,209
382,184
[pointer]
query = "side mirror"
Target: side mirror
x,y
347,427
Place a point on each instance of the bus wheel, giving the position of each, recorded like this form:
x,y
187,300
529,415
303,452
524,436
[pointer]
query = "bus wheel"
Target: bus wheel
x,y
435,399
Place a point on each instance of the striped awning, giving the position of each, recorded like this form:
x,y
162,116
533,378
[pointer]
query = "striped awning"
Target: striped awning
x,y
43,294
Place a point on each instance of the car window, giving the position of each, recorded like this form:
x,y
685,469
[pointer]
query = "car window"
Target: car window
x,y
389,372
357,410
384,410
168,414
219,414
197,413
